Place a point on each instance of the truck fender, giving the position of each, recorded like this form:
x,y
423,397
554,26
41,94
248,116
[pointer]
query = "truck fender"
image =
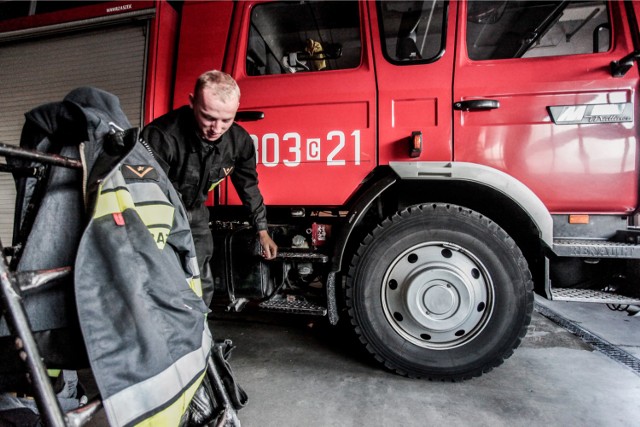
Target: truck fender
x,y
357,209
499,181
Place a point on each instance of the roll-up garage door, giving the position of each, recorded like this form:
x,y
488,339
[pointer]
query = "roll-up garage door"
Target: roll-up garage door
x,y
39,70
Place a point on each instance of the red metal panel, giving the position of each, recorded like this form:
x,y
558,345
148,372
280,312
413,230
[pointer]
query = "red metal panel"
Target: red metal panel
x,y
571,167
317,141
636,9
161,45
414,97
203,40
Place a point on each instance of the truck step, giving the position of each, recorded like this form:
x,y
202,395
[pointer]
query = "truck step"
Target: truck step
x,y
590,295
294,305
595,249
302,256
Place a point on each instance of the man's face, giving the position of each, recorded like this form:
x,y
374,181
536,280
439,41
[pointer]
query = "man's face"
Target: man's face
x,y
213,116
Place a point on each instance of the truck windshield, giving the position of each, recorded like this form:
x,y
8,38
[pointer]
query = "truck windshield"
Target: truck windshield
x,y
516,29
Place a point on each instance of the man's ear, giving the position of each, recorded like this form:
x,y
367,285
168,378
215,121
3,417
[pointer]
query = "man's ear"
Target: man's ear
x,y
191,99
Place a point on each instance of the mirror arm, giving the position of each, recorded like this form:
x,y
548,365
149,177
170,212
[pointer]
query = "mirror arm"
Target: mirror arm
x,y
620,68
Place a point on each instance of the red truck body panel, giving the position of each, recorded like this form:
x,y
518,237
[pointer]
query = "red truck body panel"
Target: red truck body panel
x,y
317,141
203,35
414,98
571,167
162,52
324,132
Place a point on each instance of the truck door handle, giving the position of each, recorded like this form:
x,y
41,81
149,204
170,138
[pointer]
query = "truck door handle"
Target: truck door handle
x,y
476,105
249,116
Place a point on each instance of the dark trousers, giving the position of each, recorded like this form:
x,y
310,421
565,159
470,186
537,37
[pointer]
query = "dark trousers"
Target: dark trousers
x,y
199,222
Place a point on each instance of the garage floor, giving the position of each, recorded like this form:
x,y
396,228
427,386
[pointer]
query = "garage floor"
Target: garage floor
x,y
302,372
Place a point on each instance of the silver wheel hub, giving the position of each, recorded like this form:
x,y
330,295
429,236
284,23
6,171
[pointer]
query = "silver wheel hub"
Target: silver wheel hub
x,y
437,295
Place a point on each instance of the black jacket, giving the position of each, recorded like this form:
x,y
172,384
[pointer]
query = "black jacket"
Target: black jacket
x,y
195,167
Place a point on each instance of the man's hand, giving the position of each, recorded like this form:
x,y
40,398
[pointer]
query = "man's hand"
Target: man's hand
x,y
269,247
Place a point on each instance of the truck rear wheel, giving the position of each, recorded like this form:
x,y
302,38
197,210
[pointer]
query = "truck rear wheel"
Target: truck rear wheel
x,y
441,292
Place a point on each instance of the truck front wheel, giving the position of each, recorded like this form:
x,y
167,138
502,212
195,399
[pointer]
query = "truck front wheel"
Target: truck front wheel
x,y
439,291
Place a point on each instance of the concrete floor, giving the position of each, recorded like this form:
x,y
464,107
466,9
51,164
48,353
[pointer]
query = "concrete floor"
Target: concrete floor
x,y
302,372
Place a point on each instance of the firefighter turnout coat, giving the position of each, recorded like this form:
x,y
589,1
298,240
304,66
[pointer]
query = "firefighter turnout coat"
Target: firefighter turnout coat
x,y
136,277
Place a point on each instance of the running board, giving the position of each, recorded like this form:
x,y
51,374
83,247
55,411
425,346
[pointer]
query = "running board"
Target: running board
x,y
595,249
302,256
590,295
294,305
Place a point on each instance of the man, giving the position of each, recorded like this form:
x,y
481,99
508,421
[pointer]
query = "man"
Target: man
x,y
198,146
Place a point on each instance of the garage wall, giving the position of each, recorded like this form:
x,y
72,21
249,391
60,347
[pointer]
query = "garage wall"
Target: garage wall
x,y
37,71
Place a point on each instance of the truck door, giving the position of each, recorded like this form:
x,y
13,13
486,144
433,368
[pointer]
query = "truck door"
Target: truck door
x,y
413,44
534,96
307,67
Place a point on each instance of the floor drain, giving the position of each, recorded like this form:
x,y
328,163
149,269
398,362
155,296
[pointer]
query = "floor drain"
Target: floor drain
x,y
609,350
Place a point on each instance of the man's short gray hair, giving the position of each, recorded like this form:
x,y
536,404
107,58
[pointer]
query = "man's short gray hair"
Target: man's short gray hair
x,y
223,84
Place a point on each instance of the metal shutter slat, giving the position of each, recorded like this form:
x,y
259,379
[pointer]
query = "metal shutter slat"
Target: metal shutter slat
x,y
37,71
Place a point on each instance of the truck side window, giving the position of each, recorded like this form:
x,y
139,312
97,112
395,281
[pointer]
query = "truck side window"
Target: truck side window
x,y
303,36
412,31
525,29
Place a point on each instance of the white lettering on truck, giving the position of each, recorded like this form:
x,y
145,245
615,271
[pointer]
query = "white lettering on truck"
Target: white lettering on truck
x,y
119,8
341,150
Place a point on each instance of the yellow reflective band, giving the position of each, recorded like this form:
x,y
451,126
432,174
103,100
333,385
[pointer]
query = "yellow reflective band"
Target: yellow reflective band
x,y
170,416
160,235
54,373
175,385
192,266
156,214
196,285
113,202
215,184
158,217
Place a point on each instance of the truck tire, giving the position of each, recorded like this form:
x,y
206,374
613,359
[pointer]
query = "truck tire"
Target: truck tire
x,y
441,292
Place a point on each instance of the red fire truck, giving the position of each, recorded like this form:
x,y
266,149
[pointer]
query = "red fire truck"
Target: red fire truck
x,y
427,165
